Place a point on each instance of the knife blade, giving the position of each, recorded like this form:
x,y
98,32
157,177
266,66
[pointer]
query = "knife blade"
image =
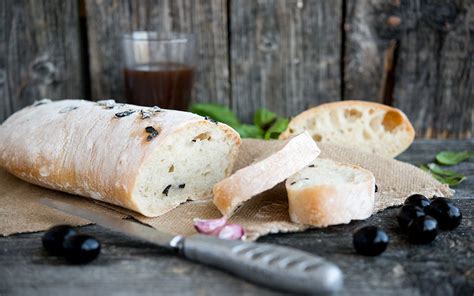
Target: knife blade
x,y
117,224
273,266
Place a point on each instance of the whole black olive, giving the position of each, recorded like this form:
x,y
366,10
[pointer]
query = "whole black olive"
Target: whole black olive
x,y
370,241
408,213
81,248
448,215
418,200
54,238
423,230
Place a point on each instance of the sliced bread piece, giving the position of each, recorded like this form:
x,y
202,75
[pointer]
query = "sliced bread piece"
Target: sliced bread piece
x,y
295,154
369,126
329,192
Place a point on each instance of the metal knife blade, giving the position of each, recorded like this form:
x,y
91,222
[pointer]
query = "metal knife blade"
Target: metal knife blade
x,y
116,224
276,267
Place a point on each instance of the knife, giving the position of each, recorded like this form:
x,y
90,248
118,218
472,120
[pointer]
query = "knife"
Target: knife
x,y
273,266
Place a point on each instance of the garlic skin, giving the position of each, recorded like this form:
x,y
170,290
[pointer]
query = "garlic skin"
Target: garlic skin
x,y
231,232
209,226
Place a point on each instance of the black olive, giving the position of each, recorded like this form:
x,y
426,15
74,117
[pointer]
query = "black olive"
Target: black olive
x,y
54,238
423,230
152,131
408,213
125,113
418,200
448,215
81,248
166,190
210,119
370,241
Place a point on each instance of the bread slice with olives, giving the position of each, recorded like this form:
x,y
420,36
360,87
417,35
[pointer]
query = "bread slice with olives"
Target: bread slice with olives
x,y
369,126
265,173
327,192
145,159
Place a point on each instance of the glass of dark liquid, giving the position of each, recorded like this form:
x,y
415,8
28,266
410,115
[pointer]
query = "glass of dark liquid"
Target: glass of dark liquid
x,y
159,69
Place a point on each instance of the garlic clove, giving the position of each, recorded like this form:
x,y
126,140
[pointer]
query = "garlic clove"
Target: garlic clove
x,y
231,232
209,226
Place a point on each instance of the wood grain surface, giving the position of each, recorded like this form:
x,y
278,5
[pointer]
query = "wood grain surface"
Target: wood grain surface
x,y
285,55
417,56
40,54
107,20
129,267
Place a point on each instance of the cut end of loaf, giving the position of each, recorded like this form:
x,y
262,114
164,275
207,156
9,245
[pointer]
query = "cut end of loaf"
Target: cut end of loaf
x,y
264,173
329,193
368,126
185,166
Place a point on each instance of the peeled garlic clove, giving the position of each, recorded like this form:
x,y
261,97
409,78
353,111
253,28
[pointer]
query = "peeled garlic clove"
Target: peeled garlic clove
x,y
231,232
209,226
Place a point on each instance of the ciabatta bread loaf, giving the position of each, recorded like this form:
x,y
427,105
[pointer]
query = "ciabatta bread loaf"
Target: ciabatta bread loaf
x,y
265,173
328,193
371,127
141,158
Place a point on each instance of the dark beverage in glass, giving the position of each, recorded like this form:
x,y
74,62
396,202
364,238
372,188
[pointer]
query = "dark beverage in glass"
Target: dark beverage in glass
x,y
159,70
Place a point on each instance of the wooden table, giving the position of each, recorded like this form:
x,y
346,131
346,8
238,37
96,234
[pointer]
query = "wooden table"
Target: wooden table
x,y
127,267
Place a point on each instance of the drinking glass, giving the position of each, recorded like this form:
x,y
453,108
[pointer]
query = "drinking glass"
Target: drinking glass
x,y
159,69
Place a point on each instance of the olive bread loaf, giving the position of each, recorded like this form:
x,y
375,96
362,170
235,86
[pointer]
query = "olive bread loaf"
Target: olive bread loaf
x,y
145,159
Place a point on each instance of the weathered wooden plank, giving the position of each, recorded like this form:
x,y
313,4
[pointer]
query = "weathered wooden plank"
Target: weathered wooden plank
x,y
367,36
285,55
39,52
415,55
107,20
435,69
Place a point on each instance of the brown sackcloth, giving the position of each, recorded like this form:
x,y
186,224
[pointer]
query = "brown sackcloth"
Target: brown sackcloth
x,y
266,213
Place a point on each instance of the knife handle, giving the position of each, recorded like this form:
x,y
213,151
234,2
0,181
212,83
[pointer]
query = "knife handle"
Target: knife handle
x,y
273,266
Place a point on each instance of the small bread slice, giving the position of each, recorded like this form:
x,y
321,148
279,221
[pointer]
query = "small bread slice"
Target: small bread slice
x,y
329,192
294,155
369,126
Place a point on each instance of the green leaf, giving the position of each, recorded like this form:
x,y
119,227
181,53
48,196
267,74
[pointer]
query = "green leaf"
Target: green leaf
x,y
451,181
263,118
276,129
425,168
444,176
442,172
249,131
452,158
216,112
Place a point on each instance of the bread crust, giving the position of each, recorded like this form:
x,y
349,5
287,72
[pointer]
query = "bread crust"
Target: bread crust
x,y
324,205
89,151
249,181
301,118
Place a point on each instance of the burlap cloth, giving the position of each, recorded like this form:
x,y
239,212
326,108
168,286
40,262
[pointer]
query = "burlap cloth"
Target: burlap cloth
x,y
266,213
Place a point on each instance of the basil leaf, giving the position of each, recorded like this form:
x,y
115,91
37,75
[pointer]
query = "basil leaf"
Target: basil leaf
x,y
216,112
452,181
425,168
263,118
452,158
439,171
448,177
249,131
276,129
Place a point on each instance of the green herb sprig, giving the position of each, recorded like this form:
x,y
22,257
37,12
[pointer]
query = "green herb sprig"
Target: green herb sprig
x,y
266,124
447,158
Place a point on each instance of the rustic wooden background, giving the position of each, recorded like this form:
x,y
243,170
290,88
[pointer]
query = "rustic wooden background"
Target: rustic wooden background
x,y
286,55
